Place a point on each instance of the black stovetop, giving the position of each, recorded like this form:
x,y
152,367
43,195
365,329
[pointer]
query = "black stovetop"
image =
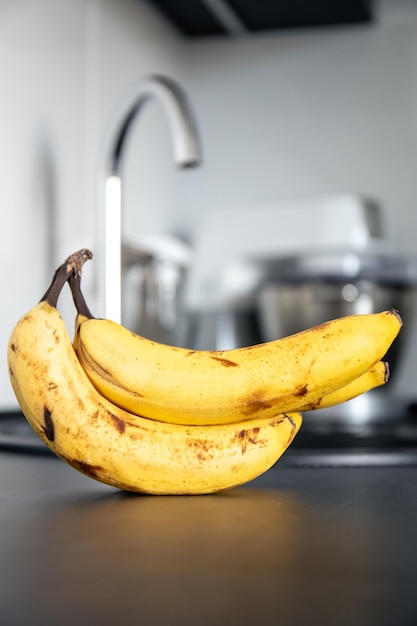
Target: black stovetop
x,y
393,441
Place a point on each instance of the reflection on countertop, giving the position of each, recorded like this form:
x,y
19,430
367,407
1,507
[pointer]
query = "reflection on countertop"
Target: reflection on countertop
x,y
298,545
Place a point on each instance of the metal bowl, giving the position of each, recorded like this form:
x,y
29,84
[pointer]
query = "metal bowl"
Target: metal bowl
x,y
298,292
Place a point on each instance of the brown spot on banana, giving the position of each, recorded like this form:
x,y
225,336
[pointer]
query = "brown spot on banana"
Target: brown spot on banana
x,y
95,471
119,423
202,449
301,391
248,436
321,326
48,427
13,347
313,406
294,425
254,404
290,419
225,362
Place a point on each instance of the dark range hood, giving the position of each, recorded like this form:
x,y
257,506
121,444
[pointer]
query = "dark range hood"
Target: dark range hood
x,y
203,18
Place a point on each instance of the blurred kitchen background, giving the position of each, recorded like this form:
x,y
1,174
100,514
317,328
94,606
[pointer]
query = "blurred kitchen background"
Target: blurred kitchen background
x,y
309,144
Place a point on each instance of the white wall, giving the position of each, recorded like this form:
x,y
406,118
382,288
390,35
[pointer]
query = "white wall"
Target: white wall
x,y
304,113
64,66
282,115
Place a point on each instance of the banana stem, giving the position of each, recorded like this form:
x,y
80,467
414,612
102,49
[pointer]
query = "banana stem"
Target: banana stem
x,y
74,281
71,267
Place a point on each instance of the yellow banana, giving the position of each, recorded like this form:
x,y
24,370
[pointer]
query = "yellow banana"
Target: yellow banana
x,y
118,448
201,387
375,377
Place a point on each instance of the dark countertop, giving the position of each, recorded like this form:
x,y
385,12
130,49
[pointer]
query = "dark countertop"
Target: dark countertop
x,y
299,545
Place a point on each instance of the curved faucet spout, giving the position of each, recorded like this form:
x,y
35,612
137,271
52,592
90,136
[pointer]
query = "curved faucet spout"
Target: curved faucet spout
x,y
186,154
178,111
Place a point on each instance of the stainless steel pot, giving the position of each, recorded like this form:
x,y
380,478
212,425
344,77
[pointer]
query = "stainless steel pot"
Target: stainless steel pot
x,y
287,309
153,275
298,292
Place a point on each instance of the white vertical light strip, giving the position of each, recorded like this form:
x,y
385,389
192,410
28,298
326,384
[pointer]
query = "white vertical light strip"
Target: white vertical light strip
x,y
112,263
93,284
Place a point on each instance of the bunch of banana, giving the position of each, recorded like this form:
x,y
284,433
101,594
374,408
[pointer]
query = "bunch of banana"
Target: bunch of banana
x,y
151,418
112,445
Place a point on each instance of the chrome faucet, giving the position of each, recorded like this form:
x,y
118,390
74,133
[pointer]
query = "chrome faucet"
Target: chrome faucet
x,y
186,154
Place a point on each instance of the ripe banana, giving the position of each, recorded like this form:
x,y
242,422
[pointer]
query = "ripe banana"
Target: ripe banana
x,y
113,446
375,377
183,386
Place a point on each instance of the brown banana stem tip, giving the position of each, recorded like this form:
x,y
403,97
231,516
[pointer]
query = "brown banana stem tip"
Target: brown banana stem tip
x,y
76,261
72,266
387,372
